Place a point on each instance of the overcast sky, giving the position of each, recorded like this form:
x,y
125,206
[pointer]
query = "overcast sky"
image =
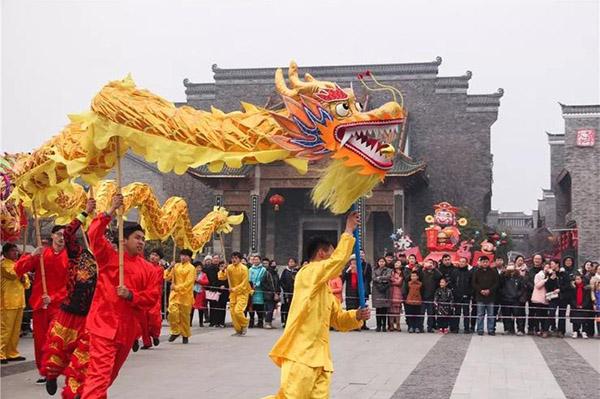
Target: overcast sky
x,y
57,54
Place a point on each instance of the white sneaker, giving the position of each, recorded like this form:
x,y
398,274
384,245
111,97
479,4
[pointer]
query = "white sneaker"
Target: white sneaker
x,y
268,326
574,335
243,332
584,335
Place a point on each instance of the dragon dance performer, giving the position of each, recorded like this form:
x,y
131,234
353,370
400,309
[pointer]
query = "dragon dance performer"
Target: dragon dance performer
x,y
151,321
182,277
12,303
45,306
67,341
302,351
109,322
239,289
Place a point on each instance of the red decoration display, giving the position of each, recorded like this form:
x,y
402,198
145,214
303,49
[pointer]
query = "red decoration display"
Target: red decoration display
x,y
276,200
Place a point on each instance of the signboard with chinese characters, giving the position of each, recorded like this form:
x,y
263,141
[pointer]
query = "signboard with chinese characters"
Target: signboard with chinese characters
x,y
586,137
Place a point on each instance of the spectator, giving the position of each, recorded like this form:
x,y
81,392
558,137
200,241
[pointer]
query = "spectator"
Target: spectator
x,y
444,304
286,280
498,266
336,285
446,267
272,293
538,311
587,271
223,297
567,292
581,308
430,278
381,292
460,278
413,305
368,278
596,299
396,280
200,295
553,295
587,278
538,265
350,279
512,290
211,269
256,274
485,283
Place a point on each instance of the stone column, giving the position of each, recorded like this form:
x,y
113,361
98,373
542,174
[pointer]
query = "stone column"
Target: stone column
x,y
398,211
254,223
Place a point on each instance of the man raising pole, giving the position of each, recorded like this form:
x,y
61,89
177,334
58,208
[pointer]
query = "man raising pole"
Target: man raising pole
x,y
302,351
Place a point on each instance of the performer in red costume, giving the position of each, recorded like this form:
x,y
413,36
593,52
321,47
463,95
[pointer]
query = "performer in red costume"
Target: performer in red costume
x,y
109,322
45,307
66,345
151,321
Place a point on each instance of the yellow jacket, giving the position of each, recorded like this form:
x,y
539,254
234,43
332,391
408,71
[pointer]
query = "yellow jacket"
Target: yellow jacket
x,y
182,277
314,308
11,287
237,276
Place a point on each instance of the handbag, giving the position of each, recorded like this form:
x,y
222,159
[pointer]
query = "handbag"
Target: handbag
x,y
213,295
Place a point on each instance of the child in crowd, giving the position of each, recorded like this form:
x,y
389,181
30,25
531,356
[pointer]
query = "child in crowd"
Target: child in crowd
x,y
413,307
581,308
444,304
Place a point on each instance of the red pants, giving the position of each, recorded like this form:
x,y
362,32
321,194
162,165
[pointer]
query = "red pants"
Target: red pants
x,y
150,324
76,371
106,359
41,323
61,340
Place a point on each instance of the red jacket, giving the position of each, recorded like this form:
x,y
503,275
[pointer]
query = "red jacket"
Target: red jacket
x,y
56,267
110,316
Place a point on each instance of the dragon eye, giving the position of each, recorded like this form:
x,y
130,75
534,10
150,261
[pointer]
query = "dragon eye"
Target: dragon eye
x,y
342,109
359,106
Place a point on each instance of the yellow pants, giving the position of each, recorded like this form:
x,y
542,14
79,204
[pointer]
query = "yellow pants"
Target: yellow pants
x,y
179,319
299,381
237,306
9,335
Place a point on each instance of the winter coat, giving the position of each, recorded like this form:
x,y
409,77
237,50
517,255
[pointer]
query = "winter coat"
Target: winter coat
x,y
566,277
286,280
587,307
444,300
414,296
485,279
271,285
539,288
512,287
256,275
368,277
461,283
431,280
380,294
350,292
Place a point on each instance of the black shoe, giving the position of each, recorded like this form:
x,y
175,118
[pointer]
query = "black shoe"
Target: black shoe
x,y
430,330
260,325
16,359
420,331
41,381
364,327
136,346
173,337
211,325
155,341
4,361
468,332
185,340
492,333
51,386
201,325
410,331
378,329
146,347
479,333
383,329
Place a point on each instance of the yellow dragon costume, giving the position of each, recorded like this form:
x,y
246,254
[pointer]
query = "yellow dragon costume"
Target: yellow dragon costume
x,y
319,120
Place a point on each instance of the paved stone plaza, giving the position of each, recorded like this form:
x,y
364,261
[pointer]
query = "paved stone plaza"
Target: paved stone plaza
x,y
368,365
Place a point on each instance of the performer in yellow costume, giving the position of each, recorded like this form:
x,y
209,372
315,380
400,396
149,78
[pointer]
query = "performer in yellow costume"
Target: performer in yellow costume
x,y
182,277
302,351
239,289
12,305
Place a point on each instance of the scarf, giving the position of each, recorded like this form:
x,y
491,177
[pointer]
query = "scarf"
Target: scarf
x,y
579,295
353,280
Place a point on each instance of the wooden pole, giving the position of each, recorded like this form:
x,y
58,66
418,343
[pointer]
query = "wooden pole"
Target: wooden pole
x,y
83,234
120,218
38,237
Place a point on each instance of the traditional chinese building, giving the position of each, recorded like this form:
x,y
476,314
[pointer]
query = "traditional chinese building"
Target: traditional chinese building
x,y
571,207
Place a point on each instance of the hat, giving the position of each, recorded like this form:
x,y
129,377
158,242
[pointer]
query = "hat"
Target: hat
x,y
352,256
207,257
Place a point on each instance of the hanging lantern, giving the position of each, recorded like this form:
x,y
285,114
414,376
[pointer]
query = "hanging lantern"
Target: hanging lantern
x,y
276,200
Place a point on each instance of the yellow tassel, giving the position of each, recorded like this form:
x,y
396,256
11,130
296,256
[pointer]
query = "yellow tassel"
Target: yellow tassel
x,y
341,186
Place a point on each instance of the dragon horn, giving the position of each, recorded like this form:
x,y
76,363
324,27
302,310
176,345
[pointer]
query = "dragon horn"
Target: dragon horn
x,y
281,86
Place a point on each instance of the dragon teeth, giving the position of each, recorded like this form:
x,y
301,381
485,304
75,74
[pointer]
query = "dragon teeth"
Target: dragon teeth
x,y
347,137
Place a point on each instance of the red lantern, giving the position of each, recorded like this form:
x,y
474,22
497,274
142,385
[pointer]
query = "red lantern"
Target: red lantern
x,y
276,200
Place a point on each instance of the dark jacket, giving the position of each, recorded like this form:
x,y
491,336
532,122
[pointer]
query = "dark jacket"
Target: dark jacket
x,y
270,284
368,277
553,284
586,310
460,281
512,287
381,287
446,270
566,277
351,293
485,279
430,280
444,299
286,280
530,277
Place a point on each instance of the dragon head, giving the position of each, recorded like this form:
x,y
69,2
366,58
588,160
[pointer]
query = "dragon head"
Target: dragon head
x,y
323,119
